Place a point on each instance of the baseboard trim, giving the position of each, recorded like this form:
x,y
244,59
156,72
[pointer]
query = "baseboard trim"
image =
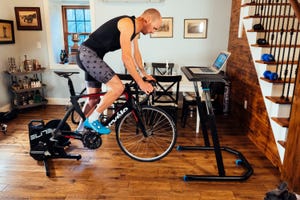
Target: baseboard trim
x,y
5,108
58,101
51,101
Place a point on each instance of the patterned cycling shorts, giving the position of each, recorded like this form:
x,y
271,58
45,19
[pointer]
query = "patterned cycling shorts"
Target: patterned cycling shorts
x,y
95,67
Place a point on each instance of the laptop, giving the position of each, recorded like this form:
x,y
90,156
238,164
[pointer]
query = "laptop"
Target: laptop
x,y
215,68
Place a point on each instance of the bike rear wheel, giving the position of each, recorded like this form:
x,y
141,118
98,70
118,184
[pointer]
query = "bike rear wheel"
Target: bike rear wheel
x,y
161,135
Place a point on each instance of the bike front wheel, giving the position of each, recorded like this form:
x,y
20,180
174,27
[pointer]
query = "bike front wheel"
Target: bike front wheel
x,y
161,134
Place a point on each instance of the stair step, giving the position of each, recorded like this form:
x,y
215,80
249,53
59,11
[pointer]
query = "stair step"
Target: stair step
x,y
282,143
278,100
277,45
295,62
258,4
282,121
281,81
266,16
266,30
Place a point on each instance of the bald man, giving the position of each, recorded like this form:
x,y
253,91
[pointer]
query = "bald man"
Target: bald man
x,y
118,33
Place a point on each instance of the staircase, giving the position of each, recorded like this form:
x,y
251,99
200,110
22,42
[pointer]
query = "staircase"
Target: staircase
x,y
272,30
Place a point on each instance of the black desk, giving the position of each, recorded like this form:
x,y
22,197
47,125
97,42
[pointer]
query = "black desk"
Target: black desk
x,y
210,117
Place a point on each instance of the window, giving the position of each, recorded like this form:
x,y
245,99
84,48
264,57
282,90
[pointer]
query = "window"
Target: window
x,y
76,19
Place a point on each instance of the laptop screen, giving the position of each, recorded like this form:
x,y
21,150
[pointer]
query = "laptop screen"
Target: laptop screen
x,y
220,60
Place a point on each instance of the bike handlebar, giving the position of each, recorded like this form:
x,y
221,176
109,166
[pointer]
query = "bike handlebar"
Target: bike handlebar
x,y
152,82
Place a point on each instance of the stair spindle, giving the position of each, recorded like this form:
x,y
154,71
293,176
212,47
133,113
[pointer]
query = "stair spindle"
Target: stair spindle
x,y
268,20
293,59
287,21
256,12
287,63
280,43
278,25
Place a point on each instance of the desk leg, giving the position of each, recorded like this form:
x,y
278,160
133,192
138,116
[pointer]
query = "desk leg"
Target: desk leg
x,y
214,134
216,144
197,121
201,114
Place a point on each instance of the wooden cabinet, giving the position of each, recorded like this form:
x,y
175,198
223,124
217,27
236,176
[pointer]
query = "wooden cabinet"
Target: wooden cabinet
x,y
26,89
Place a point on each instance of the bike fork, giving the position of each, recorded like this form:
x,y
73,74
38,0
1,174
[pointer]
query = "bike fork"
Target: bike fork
x,y
139,122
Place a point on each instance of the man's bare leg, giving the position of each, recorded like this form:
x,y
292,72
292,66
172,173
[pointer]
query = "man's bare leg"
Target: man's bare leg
x,y
89,105
114,90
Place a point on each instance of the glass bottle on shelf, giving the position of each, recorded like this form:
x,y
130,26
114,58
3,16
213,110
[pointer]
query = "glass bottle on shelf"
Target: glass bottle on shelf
x,y
16,100
37,97
26,84
20,84
15,85
27,64
30,97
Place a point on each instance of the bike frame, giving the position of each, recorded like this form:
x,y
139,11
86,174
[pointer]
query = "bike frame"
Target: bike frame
x,y
131,105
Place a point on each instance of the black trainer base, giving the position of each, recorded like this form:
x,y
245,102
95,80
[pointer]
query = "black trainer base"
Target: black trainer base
x,y
66,156
222,175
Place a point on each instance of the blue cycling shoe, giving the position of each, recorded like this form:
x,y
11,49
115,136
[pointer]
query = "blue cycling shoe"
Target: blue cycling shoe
x,y
97,126
86,124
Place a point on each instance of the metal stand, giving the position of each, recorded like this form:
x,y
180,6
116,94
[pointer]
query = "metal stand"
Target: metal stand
x,y
205,80
61,154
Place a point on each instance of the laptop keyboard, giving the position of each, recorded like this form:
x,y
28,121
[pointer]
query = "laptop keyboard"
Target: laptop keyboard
x,y
206,69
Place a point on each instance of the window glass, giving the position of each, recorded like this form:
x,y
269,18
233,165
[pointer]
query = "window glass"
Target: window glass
x,y
87,15
70,14
70,42
80,27
88,27
72,27
79,15
83,37
76,20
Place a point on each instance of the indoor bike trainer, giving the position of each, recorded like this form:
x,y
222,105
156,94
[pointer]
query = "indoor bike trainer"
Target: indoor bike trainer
x,y
42,148
210,117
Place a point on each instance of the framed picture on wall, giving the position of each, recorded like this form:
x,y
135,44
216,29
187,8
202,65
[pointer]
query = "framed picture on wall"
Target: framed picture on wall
x,y
165,30
28,18
195,28
7,35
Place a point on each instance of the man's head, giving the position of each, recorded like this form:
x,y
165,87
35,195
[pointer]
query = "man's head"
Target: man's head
x,y
151,20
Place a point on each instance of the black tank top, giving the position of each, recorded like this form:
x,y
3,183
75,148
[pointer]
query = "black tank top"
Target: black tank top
x,y
107,37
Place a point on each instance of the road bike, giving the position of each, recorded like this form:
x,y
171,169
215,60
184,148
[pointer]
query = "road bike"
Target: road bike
x,y
143,132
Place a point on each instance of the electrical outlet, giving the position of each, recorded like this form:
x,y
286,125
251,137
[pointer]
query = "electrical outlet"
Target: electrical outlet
x,y
245,104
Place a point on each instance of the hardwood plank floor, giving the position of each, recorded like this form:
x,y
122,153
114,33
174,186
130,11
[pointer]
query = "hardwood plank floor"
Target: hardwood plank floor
x,y
107,173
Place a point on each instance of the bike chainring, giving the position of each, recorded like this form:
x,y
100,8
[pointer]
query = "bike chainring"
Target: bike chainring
x,y
91,140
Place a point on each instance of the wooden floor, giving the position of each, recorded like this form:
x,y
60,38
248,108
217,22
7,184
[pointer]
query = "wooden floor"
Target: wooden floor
x,y
106,173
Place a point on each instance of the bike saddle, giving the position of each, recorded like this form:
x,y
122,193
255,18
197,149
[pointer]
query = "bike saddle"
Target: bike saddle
x,y
65,74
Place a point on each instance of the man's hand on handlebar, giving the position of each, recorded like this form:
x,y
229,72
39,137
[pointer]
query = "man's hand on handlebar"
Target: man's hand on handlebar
x,y
148,78
148,85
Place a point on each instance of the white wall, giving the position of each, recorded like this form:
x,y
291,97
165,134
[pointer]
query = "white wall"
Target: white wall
x,y
25,42
177,49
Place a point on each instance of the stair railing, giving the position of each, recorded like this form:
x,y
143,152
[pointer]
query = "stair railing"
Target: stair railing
x,y
280,29
296,7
